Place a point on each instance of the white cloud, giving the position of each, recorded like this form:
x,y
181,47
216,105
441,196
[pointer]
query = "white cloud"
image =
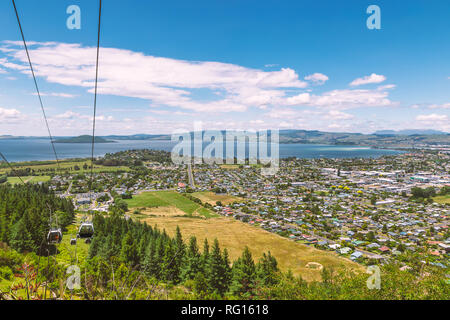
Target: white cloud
x,y
373,78
257,121
9,114
164,81
432,117
300,99
387,87
440,106
317,78
338,126
68,115
343,99
339,115
55,94
168,112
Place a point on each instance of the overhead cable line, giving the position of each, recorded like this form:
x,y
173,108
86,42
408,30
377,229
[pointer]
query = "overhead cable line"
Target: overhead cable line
x,y
11,167
36,84
95,98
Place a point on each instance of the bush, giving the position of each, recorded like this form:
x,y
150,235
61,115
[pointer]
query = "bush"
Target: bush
x,y
6,273
10,258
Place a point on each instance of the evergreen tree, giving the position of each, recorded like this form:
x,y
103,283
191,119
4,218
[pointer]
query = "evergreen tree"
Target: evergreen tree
x,y
180,251
243,274
21,238
216,272
204,261
170,270
192,264
200,286
129,252
227,268
267,270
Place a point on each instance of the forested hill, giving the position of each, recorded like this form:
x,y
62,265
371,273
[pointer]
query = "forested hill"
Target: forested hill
x,y
381,139
404,139
25,215
83,139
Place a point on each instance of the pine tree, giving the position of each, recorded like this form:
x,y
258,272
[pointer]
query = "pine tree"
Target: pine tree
x,y
170,270
150,260
180,251
200,286
267,270
21,238
216,271
243,274
129,252
204,261
227,269
192,264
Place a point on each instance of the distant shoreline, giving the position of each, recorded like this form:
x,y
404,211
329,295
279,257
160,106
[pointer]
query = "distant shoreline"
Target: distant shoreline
x,y
40,150
83,139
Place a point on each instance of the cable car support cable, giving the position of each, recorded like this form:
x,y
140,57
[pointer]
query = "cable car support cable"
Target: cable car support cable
x,y
36,84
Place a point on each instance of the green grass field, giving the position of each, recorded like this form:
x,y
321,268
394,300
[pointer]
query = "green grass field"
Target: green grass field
x,y
67,253
442,199
65,165
31,179
165,199
147,200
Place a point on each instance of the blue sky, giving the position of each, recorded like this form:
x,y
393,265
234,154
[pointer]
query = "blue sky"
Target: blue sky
x,y
230,64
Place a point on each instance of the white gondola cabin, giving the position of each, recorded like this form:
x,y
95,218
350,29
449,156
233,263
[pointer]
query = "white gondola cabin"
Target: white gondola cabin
x,y
86,230
54,236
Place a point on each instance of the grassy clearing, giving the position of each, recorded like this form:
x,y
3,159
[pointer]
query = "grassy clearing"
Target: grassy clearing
x,y
66,165
229,166
147,200
169,211
160,202
212,198
235,235
442,199
31,179
66,252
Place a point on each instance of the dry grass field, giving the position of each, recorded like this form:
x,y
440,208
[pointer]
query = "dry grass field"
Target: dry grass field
x,y
167,203
170,211
212,198
442,199
235,235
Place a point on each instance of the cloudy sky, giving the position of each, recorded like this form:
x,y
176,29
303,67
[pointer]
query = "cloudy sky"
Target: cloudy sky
x,y
230,64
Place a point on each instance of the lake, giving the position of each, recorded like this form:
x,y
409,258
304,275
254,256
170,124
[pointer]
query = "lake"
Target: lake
x,y
32,149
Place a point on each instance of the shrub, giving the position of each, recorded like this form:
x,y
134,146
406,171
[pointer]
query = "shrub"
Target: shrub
x,y
6,273
10,258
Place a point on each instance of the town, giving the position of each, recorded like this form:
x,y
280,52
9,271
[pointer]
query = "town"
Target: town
x,y
367,210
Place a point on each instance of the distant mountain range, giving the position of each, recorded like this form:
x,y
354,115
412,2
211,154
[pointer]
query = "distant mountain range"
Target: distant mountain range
x,y
400,139
83,139
385,138
409,132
